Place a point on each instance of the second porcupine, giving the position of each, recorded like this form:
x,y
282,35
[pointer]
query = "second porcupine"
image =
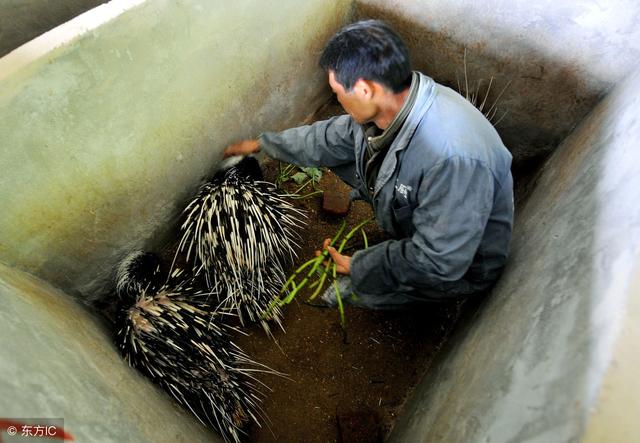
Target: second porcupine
x,y
173,334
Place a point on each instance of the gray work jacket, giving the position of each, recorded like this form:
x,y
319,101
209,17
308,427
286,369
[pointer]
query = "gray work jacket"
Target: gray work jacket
x,y
444,192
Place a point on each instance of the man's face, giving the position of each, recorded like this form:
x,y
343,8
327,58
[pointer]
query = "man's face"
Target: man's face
x,y
356,102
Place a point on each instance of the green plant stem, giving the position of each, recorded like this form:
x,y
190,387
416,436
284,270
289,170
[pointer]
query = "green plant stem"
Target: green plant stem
x,y
338,297
311,194
283,174
303,186
315,264
291,280
350,234
297,287
323,278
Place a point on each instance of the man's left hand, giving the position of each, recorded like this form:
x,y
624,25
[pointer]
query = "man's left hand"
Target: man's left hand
x,y
343,262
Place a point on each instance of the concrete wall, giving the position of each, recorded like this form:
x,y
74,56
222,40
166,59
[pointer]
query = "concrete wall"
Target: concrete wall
x,y
561,56
58,361
558,337
551,355
23,20
110,121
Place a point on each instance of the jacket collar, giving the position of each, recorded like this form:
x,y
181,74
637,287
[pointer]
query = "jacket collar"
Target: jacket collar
x,y
425,96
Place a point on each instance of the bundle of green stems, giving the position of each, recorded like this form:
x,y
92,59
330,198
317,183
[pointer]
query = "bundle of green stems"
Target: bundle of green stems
x,y
320,268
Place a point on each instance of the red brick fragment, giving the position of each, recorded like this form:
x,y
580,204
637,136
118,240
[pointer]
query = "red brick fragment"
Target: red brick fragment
x,y
335,198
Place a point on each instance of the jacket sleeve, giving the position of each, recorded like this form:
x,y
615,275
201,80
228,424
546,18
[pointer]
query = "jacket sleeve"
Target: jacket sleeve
x,y
455,201
325,143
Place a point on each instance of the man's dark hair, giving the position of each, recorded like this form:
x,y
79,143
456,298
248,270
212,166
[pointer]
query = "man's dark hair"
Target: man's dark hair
x,y
370,50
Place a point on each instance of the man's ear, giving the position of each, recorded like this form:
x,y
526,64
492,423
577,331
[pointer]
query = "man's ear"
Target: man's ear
x,y
364,88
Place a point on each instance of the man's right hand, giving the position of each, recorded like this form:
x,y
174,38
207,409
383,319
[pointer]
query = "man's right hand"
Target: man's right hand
x,y
244,147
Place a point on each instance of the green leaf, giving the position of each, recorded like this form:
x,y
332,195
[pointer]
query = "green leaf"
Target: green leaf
x,y
299,177
314,173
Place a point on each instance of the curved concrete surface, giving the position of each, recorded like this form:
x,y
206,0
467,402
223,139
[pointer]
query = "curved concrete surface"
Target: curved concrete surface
x,y
557,339
58,361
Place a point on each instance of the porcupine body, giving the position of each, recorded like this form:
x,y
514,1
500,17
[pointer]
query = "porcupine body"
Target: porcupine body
x,y
173,334
239,233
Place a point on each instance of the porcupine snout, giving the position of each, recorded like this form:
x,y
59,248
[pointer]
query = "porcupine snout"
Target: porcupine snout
x,y
138,271
247,167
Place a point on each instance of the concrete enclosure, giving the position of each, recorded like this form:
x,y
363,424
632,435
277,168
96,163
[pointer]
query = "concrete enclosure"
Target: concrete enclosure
x,y
111,120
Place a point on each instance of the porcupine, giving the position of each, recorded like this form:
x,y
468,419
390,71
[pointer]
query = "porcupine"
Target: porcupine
x,y
239,233
172,333
138,271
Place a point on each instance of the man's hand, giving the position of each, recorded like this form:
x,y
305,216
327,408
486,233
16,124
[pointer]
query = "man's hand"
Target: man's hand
x,y
244,147
343,262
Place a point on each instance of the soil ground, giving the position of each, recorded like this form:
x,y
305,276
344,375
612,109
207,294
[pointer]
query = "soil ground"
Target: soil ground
x,y
340,385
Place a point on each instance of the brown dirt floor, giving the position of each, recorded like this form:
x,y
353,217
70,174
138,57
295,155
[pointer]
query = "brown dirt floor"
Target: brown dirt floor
x,y
340,386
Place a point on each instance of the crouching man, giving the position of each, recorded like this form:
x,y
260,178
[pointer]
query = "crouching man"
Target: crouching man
x,y
431,165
